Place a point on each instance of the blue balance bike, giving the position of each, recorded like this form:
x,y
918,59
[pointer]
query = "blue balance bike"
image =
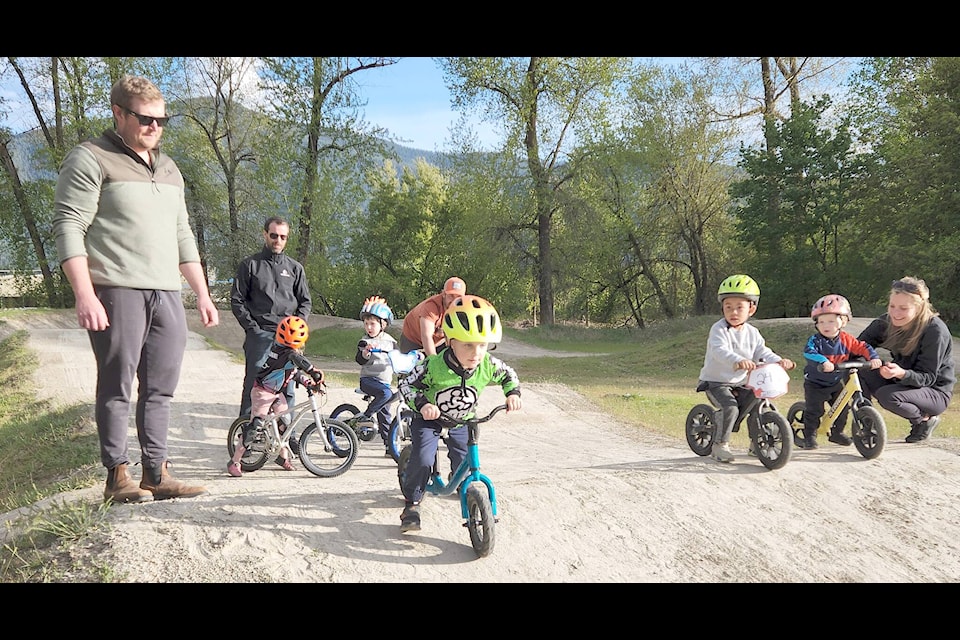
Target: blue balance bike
x,y
478,498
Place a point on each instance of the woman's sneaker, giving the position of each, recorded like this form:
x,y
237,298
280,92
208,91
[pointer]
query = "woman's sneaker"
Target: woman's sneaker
x,y
920,432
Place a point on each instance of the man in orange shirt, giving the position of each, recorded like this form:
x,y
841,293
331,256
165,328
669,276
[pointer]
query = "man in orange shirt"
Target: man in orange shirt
x,y
421,327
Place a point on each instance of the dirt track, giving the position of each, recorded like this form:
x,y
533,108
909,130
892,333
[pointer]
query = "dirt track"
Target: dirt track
x,y
582,499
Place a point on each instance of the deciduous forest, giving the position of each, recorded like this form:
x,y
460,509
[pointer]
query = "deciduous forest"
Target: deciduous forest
x,y
621,193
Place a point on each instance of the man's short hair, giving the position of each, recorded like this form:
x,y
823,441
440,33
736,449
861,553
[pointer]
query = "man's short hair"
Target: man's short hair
x,y
274,220
129,87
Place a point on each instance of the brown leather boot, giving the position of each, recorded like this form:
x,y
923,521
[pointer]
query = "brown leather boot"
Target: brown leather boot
x,y
122,488
159,482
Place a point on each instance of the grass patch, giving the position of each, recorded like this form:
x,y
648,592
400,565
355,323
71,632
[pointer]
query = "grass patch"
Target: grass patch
x,y
44,451
59,544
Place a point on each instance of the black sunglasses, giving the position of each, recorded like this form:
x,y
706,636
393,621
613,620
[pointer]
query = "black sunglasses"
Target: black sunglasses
x,y
145,121
274,236
909,287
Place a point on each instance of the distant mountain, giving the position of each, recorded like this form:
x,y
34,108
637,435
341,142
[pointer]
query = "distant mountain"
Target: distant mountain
x,y
27,145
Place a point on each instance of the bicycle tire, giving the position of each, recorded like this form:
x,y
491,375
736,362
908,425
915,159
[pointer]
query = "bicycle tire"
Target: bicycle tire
x,y
869,431
347,412
402,461
325,461
251,460
480,520
795,418
774,440
399,434
700,429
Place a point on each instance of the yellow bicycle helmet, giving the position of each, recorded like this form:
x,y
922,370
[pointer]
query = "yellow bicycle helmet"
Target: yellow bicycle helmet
x,y
293,332
740,285
472,319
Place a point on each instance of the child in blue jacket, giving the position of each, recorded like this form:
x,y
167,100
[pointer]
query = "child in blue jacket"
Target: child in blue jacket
x,y
822,383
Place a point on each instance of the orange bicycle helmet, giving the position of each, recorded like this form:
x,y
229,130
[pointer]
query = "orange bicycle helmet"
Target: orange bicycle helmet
x,y
472,319
831,303
293,332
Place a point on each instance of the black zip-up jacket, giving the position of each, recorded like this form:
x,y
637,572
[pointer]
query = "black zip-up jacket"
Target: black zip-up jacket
x,y
931,363
267,288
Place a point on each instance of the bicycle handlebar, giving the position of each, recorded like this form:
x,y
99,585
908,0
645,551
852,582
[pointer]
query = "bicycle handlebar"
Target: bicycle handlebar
x,y
849,364
400,361
475,419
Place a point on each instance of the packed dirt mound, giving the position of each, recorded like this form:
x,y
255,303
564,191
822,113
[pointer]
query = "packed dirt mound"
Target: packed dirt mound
x,y
582,498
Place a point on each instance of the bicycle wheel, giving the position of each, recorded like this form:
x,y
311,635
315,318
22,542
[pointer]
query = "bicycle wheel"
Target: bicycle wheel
x,y
480,520
328,459
869,431
774,441
795,418
347,412
402,461
700,429
399,434
252,458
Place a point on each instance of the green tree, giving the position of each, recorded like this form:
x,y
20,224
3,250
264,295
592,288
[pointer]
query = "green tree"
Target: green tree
x,y
812,177
543,104
908,113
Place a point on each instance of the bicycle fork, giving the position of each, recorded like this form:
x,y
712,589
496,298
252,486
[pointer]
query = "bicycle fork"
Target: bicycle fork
x,y
468,473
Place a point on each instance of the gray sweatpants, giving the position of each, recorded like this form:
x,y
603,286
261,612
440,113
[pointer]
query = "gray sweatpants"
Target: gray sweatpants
x,y
146,338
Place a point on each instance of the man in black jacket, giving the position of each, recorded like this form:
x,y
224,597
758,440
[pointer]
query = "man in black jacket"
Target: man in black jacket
x,y
269,286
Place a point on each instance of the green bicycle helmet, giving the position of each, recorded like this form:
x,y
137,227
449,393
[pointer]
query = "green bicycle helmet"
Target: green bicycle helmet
x,y
472,319
740,285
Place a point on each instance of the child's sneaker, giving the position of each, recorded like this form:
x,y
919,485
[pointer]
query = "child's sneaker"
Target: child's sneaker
x,y
838,437
721,451
234,469
410,518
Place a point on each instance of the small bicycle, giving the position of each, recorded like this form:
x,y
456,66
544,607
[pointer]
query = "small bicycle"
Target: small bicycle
x,y
402,363
399,435
478,498
770,434
327,448
869,432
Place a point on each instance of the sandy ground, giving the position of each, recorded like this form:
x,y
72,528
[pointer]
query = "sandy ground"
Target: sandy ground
x,y
582,498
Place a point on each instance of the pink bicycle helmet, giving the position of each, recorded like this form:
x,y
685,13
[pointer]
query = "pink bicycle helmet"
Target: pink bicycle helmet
x,y
831,303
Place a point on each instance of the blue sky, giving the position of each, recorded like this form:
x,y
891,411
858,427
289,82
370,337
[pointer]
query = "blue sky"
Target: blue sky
x,y
408,98
411,100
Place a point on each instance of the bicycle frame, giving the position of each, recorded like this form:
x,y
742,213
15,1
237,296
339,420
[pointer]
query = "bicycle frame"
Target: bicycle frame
x,y
478,508
275,440
851,395
310,406
327,447
868,429
467,473
769,432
